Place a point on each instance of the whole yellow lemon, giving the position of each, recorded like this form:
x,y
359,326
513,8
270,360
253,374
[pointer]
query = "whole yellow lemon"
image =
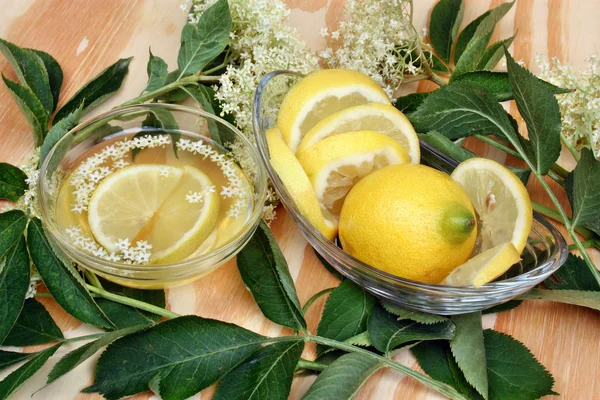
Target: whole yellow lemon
x,y
409,220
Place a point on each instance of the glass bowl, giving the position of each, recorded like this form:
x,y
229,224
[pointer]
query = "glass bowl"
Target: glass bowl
x,y
545,252
177,122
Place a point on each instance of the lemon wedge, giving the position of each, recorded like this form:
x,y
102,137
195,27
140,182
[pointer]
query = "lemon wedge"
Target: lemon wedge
x,y
500,200
484,267
321,94
297,184
382,118
335,164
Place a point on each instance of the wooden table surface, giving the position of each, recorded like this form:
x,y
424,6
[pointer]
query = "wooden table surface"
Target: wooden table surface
x,y
86,36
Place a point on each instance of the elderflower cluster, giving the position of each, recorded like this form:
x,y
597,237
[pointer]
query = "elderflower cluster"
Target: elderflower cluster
x,y
28,202
377,38
580,109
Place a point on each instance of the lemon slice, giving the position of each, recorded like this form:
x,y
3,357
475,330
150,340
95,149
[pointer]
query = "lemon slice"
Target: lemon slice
x,y
484,267
382,118
335,164
321,94
297,184
500,200
125,201
180,225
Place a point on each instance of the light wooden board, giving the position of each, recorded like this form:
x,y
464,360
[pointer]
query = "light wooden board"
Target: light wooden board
x,y
87,36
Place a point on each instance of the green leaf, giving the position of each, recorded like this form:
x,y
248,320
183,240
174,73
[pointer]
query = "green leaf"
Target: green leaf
x,y
14,282
34,326
466,35
13,184
157,72
59,130
343,378
265,272
123,316
436,63
62,281
345,314
581,298
31,71
583,191
8,358
539,108
445,19
328,266
573,275
12,226
410,102
266,375
509,305
437,361
202,42
362,339
55,74
176,359
493,54
462,109
469,351
99,89
473,52
522,173
418,316
513,372
205,97
446,146
497,82
26,371
387,333
159,122
71,360
32,109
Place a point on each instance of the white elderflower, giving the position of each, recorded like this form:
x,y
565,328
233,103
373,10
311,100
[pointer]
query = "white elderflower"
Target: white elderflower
x,y
193,197
123,244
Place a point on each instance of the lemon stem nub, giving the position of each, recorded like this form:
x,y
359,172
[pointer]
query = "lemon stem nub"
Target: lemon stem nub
x,y
458,224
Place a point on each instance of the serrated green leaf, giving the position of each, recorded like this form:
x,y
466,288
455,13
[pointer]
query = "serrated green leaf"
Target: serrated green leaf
x,y
34,326
13,381
410,102
466,35
58,131
8,358
387,333
266,375
62,281
470,57
539,108
205,97
31,71
71,360
445,20
469,351
436,63
573,275
581,298
509,305
493,54
522,173
14,282
12,226
513,372
97,90
177,358
13,184
446,146
345,314
497,82
159,122
123,316
55,74
583,191
362,339
343,378
265,272
157,72
31,108
418,316
201,43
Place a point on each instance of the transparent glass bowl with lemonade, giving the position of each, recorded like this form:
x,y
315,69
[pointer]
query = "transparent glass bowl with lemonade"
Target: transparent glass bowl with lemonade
x,y
544,252
152,196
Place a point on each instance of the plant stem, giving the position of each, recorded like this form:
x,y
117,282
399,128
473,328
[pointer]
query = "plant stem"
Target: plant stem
x,y
314,298
588,243
133,303
43,295
312,365
415,78
93,279
86,337
442,388
550,213
570,147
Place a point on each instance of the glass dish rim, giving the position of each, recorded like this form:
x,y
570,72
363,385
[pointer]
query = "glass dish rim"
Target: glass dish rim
x,y
553,262
254,218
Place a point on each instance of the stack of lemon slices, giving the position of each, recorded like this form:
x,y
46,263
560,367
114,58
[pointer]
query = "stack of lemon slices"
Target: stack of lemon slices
x,y
335,127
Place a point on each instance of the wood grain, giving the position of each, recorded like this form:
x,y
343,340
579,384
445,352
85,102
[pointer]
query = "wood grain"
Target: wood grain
x,y
86,36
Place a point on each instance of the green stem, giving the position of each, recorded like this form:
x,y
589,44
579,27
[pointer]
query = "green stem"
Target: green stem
x,y
93,279
86,337
570,147
442,388
133,303
587,244
215,69
312,365
415,78
550,213
314,298
43,295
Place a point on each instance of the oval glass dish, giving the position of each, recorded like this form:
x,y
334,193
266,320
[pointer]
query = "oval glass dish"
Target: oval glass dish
x,y
545,252
181,125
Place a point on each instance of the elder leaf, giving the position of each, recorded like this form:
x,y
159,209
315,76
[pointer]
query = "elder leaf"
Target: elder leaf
x,y
59,130
418,316
410,102
346,313
14,283
493,54
576,297
8,358
343,378
573,275
55,74
12,226
34,326
466,35
469,351
31,108
509,305
176,359
266,375
12,183
157,72
445,20
583,191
